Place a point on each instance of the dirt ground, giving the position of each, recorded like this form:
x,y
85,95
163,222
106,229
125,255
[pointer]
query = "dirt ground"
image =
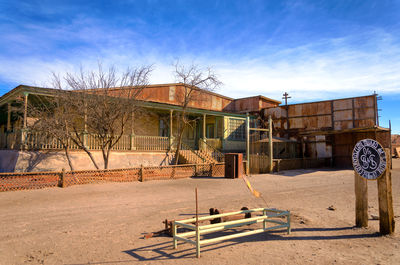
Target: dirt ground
x,y
104,223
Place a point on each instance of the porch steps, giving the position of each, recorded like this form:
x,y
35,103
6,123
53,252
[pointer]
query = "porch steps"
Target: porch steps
x,y
207,156
195,157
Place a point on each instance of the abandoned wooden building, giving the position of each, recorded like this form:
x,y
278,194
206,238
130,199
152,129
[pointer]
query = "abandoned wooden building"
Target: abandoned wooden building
x,y
304,135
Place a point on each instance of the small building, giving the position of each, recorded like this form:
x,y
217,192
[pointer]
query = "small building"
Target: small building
x,y
329,129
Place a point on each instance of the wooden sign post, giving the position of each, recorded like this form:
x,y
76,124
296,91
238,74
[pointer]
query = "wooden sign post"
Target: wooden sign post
x,y
370,162
386,214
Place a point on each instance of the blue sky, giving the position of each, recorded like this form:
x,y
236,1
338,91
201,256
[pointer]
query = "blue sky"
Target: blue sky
x,y
314,50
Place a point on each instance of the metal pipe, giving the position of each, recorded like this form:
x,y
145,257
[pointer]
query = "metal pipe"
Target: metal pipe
x,y
188,226
222,238
191,220
174,240
203,227
216,229
185,239
197,228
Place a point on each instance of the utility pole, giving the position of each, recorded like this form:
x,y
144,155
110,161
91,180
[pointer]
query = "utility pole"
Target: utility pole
x,y
285,97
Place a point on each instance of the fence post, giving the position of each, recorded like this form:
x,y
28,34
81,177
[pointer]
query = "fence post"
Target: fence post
x,y
173,172
62,180
141,178
212,166
264,221
195,170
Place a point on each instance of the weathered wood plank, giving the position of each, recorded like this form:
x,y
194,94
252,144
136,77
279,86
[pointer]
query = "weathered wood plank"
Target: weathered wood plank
x,y
386,215
361,191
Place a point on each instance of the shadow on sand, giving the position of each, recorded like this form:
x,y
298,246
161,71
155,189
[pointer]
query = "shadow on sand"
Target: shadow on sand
x,y
298,172
164,250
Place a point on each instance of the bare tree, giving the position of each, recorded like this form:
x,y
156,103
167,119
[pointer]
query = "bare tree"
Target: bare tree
x,y
102,103
194,79
52,121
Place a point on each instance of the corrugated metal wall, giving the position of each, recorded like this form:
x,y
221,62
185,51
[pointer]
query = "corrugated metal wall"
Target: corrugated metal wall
x,y
326,121
337,114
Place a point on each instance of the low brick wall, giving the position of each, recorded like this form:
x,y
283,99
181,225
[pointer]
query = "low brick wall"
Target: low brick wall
x,y
39,180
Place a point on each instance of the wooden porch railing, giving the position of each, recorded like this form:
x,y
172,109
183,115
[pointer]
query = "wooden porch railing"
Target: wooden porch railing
x,y
215,143
209,145
151,143
41,141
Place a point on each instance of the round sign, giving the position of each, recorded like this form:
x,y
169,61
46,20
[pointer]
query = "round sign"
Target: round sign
x,y
369,159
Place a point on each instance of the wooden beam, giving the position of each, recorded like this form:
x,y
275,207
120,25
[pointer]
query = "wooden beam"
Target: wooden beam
x,y
247,143
259,129
386,215
270,144
170,128
8,116
25,109
204,126
361,191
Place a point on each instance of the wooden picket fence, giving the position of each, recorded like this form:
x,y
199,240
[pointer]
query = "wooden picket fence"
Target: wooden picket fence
x,y
38,180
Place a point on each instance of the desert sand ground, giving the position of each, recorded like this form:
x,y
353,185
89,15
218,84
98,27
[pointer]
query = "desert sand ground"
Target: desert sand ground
x,y
105,223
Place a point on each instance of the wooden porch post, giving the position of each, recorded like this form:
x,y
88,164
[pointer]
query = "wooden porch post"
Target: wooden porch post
x,y
270,144
25,109
85,126
203,145
223,132
24,122
247,143
132,147
171,138
204,127
8,116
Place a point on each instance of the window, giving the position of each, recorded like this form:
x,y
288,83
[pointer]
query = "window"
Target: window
x,y
236,130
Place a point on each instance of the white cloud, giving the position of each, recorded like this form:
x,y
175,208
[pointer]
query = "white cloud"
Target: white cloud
x,y
330,68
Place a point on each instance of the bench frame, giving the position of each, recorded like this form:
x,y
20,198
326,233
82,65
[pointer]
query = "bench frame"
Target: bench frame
x,y
198,230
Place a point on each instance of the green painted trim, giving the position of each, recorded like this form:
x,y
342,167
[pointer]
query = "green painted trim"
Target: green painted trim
x,y
164,106
22,90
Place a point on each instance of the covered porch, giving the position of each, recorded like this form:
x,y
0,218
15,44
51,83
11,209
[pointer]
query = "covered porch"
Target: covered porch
x,y
155,131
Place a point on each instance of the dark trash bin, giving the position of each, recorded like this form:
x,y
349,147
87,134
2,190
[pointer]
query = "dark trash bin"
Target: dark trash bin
x,y
233,165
